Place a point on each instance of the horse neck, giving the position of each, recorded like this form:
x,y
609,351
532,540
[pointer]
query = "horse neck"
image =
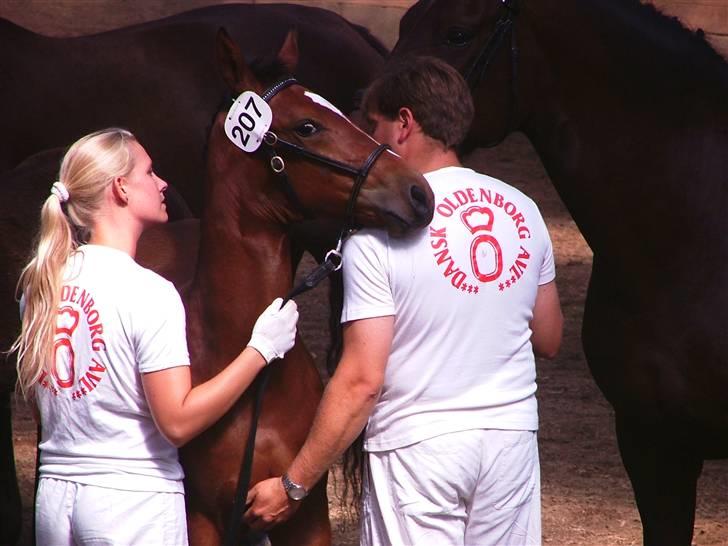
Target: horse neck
x,y
612,97
244,263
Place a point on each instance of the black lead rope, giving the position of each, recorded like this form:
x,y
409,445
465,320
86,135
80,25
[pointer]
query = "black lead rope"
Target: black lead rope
x,y
332,262
476,72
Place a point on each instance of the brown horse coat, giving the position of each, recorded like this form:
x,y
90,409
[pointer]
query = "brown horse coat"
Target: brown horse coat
x,y
245,261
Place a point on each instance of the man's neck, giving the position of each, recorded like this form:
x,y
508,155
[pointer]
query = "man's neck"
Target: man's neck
x,y
428,160
425,154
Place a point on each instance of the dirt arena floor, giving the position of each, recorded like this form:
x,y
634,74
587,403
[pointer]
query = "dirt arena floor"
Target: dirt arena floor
x,y
587,500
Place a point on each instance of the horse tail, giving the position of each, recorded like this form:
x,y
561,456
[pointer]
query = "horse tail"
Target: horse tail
x,y
353,458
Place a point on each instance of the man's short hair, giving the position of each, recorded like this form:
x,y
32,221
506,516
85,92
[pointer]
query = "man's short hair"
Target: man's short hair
x,y
434,91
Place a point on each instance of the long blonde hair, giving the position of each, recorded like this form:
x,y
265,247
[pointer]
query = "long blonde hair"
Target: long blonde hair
x,y
88,168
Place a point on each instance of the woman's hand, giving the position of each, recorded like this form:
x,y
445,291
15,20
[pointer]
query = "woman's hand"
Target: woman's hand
x,y
274,332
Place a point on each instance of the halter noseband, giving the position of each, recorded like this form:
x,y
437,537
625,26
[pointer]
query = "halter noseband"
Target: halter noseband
x,y
272,144
475,74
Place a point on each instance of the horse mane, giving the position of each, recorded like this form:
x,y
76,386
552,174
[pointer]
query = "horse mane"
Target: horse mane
x,y
370,39
6,25
683,54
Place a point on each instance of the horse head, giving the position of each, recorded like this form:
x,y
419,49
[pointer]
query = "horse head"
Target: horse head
x,y
478,37
311,161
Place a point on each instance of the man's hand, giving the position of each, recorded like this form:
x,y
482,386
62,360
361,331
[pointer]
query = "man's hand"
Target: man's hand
x,y
268,505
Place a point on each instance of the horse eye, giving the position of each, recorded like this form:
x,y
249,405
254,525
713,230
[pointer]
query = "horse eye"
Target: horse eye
x,y
458,37
307,129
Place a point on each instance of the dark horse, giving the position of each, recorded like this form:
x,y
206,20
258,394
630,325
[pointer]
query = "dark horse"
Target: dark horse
x,y
158,79
245,260
628,112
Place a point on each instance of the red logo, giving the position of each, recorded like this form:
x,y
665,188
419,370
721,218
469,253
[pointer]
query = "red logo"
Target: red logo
x,y
68,374
487,215
68,319
486,256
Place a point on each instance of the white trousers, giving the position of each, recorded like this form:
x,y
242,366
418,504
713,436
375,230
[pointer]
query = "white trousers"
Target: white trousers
x,y
70,514
471,488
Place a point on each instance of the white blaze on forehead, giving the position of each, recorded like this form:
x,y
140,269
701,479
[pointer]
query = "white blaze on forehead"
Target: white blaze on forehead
x,y
318,99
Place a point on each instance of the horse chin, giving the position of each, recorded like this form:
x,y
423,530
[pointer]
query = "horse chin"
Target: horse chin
x,y
397,226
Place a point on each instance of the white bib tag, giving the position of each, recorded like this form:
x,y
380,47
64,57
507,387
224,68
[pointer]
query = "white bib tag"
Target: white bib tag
x,y
248,120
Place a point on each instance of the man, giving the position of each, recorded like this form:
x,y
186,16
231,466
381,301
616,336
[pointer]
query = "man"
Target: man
x,y
440,330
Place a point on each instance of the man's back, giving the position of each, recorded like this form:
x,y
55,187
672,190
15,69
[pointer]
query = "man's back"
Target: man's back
x,y
462,293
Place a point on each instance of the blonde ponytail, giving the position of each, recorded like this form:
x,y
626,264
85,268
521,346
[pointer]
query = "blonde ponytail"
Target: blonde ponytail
x,y
88,168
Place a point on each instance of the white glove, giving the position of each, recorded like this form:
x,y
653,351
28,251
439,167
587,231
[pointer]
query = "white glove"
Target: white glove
x,y
274,332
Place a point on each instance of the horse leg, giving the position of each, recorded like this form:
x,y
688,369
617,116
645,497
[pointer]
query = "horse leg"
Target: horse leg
x,y
200,528
310,525
10,508
664,477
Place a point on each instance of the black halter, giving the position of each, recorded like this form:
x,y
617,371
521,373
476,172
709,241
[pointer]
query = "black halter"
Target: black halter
x,y
272,145
475,74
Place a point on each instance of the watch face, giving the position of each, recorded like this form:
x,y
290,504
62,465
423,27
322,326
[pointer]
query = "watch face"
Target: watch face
x,y
297,493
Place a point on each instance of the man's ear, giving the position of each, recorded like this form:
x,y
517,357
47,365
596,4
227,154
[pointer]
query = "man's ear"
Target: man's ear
x,y
118,187
406,124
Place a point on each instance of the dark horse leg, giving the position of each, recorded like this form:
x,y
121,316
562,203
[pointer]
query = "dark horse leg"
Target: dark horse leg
x,y
10,508
664,475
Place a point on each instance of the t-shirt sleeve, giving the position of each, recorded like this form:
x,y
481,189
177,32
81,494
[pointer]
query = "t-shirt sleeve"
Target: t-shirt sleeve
x,y
161,339
367,293
548,267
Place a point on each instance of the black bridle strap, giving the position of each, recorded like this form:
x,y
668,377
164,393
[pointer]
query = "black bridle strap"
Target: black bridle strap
x,y
359,182
276,88
313,156
331,263
476,72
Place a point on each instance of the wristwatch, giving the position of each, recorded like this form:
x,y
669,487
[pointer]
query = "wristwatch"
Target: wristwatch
x,y
294,491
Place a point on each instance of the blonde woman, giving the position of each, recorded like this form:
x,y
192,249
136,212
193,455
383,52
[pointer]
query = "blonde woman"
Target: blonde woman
x,y
103,355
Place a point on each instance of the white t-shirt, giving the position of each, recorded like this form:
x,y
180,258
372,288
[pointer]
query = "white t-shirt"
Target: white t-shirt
x,y
116,320
462,292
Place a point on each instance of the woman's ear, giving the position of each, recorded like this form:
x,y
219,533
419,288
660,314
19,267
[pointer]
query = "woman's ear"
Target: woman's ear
x,y
118,187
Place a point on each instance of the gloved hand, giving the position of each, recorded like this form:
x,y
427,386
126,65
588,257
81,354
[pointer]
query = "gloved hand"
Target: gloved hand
x,y
274,332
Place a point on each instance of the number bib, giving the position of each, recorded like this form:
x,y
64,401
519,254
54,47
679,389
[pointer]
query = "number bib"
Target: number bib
x,y
248,120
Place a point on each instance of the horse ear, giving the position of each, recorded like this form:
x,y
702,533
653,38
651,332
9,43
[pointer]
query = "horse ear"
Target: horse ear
x,y
288,54
231,64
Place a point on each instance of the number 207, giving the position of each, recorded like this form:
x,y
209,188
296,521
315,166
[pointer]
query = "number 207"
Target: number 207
x,y
246,121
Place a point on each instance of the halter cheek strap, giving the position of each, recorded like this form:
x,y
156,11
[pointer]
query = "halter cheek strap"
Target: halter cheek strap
x,y
476,71
273,145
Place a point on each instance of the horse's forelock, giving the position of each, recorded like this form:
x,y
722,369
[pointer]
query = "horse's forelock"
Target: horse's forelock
x,y
268,70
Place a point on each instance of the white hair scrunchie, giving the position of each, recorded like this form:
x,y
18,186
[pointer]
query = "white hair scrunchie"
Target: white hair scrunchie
x,y
59,190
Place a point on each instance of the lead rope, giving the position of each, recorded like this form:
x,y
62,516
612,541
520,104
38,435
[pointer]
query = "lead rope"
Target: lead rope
x,y
332,262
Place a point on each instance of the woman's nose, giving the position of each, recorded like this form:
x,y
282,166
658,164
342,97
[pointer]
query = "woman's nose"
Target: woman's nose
x,y
162,184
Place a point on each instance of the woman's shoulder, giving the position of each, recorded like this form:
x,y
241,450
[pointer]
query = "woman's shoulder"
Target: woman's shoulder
x,y
120,272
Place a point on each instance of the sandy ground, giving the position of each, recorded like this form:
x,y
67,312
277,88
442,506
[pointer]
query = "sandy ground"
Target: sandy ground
x,y
587,499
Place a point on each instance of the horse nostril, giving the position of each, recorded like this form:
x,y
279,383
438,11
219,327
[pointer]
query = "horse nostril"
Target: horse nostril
x,y
419,201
